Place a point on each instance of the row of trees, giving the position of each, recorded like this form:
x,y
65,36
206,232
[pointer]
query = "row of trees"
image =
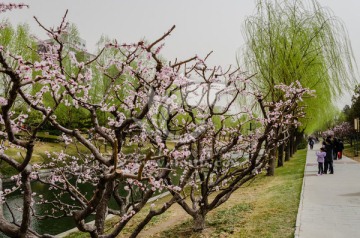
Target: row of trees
x,y
290,41
353,111
188,142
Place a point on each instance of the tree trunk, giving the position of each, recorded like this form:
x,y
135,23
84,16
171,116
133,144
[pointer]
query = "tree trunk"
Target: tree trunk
x,y
101,210
271,165
287,151
299,137
295,145
199,222
291,144
27,200
281,155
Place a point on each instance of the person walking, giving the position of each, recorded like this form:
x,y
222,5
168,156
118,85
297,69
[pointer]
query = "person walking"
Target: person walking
x,y
320,159
340,149
311,143
335,143
329,156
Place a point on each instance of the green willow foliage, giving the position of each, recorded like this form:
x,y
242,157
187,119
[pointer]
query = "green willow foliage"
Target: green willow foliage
x,y
19,42
290,41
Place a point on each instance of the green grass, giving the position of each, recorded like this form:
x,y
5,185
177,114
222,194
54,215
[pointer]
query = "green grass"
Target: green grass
x,y
39,155
220,218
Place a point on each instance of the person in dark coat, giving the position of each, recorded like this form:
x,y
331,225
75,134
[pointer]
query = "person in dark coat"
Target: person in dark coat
x,y
340,149
311,143
335,148
328,165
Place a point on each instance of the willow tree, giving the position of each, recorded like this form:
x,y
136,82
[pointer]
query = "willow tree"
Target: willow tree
x,y
290,41
19,41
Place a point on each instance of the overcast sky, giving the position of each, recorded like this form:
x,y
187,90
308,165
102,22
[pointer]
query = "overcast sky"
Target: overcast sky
x,y
201,25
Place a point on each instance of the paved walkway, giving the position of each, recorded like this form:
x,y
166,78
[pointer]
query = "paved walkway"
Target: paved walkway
x,y
330,204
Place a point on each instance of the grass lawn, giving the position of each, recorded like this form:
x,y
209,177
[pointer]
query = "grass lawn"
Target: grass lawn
x,y
349,152
39,155
265,207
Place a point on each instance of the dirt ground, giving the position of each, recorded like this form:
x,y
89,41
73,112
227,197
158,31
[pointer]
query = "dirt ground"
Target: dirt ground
x,y
177,216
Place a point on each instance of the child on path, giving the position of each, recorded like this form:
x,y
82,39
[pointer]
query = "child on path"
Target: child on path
x,y
320,159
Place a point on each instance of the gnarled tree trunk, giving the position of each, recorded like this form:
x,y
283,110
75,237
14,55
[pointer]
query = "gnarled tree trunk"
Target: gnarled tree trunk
x,y
271,164
287,151
199,222
281,155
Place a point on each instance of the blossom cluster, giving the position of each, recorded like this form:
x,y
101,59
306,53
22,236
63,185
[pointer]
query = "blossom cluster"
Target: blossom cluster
x,y
342,130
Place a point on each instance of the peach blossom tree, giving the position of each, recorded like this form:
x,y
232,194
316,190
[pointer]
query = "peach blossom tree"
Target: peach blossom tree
x,y
167,125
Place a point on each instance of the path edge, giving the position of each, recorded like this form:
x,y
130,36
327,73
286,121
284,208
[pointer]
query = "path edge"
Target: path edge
x,y
298,217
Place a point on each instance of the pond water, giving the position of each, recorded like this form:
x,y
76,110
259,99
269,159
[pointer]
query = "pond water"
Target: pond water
x,y
49,225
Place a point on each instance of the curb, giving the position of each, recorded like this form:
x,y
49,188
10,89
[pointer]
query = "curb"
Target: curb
x,y
298,217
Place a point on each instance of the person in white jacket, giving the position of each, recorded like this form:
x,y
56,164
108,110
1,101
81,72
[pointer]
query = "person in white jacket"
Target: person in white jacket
x,y
320,159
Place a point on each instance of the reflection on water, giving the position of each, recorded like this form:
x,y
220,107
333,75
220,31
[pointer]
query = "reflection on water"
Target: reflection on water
x,y
49,225
53,226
